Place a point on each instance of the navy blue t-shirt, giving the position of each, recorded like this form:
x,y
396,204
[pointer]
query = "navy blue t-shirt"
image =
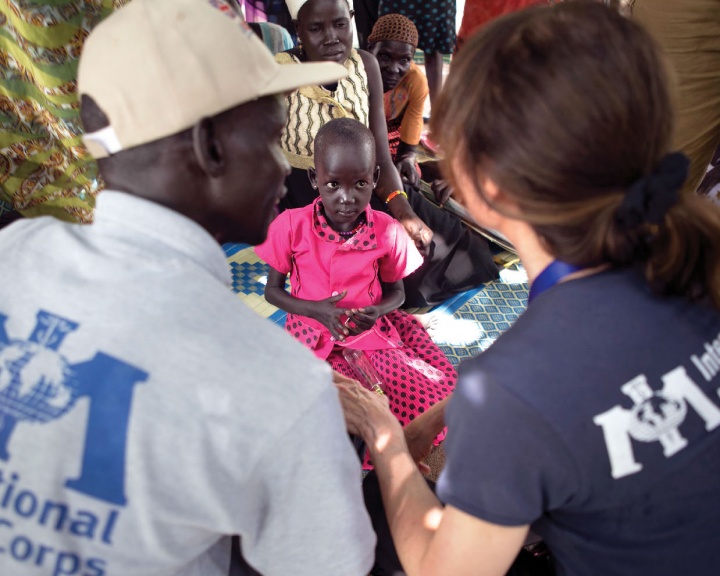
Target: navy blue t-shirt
x,y
596,419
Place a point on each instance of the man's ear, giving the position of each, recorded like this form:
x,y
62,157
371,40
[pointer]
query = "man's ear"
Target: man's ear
x,y
352,14
208,149
376,175
312,176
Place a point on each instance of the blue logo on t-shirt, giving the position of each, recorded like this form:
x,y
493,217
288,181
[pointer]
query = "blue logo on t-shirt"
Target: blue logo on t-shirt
x,y
37,384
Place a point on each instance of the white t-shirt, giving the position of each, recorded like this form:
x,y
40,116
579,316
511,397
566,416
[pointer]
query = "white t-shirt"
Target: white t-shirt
x,y
146,412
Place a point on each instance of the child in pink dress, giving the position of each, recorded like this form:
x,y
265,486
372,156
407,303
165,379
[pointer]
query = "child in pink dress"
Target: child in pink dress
x,y
346,263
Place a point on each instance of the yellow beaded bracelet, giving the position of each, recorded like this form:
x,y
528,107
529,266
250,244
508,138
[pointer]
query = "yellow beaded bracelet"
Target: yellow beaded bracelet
x,y
395,193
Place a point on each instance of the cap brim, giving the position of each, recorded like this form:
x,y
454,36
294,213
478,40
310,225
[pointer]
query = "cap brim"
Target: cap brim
x,y
292,76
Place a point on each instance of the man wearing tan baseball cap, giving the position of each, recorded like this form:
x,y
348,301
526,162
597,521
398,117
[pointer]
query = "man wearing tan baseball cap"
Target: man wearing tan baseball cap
x,y
147,414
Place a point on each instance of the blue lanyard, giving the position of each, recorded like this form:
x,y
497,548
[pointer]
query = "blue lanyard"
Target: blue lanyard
x,y
555,271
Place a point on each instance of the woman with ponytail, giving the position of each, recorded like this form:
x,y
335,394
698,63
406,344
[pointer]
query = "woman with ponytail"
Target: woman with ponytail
x,y
595,419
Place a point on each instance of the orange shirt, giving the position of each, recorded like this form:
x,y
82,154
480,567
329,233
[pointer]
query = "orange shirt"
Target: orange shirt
x,y
407,99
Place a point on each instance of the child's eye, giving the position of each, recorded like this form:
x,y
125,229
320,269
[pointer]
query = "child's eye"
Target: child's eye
x,y
405,61
361,184
332,185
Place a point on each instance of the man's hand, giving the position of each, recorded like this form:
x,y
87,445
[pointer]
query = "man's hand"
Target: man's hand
x,y
419,440
365,410
329,315
421,432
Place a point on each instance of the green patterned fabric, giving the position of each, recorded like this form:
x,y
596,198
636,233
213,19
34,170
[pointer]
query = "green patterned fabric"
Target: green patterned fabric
x,y
44,168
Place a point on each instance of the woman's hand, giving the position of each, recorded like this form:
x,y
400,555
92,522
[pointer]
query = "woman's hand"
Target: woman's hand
x,y
407,169
330,316
363,319
367,414
416,228
442,190
419,232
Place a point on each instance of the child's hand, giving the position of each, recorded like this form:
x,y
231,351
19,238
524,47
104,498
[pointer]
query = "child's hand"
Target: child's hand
x,y
325,312
362,319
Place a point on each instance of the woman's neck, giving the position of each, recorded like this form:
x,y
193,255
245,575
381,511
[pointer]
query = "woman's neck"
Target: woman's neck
x,y
531,250
534,255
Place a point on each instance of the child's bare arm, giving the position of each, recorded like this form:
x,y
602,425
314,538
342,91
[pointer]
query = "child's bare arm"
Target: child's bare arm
x,y
362,319
324,311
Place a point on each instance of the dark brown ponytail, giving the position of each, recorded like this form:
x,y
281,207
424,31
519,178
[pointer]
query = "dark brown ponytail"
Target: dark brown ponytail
x,y
567,108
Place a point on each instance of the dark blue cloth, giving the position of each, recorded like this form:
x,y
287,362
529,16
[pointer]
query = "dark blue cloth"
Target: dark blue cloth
x,y
434,20
596,419
555,272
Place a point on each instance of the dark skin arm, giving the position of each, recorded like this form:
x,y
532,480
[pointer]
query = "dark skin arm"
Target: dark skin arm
x,y
389,178
421,432
326,311
405,162
362,319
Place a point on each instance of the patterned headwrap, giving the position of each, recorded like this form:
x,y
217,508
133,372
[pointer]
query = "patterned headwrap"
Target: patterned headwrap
x,y
394,27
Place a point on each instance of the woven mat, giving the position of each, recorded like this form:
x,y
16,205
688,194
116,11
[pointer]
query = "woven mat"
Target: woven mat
x,y
462,326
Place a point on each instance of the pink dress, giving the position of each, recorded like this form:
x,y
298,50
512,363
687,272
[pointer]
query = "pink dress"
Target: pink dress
x,y
320,263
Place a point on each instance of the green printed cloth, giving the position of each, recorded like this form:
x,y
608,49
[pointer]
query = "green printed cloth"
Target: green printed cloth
x,y
44,167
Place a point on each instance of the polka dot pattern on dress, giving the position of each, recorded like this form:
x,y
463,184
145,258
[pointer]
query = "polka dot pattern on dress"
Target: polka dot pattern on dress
x,y
416,375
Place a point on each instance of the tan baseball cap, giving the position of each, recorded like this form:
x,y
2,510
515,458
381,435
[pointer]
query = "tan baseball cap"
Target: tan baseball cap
x,y
156,67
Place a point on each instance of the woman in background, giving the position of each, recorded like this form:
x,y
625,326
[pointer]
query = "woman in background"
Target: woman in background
x,y
435,21
393,41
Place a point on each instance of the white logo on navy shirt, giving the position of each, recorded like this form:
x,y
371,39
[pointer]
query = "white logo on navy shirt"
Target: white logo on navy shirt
x,y
655,417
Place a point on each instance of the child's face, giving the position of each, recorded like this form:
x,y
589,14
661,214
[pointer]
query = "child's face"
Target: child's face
x,y
395,59
345,177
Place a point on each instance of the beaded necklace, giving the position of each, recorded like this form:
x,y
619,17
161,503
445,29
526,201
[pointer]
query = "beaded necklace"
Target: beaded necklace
x,y
351,233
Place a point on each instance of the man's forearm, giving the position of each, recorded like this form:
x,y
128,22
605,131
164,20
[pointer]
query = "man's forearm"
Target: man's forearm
x,y
422,430
432,420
